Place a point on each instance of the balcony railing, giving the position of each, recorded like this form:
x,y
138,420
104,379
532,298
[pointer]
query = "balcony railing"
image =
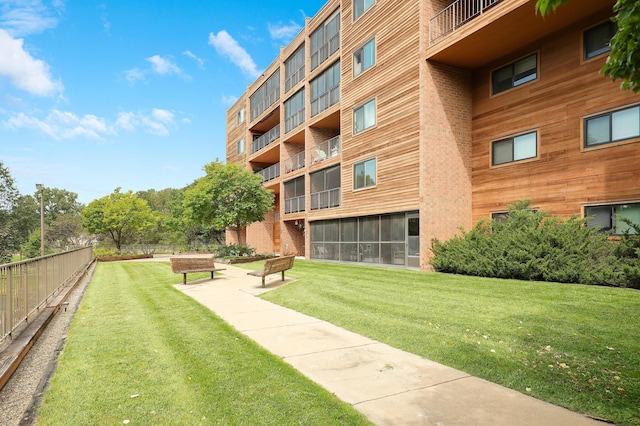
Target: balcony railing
x,y
325,199
265,139
455,15
270,172
294,163
294,78
324,150
293,205
293,120
325,100
324,51
260,106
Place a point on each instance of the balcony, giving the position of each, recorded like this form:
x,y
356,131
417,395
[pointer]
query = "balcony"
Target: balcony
x,y
294,205
325,199
270,172
324,51
325,150
456,14
294,78
294,120
325,100
265,139
294,163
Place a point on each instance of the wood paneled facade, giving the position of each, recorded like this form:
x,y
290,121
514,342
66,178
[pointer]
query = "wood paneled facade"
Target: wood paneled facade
x,y
431,136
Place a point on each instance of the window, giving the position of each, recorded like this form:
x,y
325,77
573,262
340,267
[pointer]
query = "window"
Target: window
x,y
325,188
611,217
241,116
240,146
364,57
294,69
596,40
515,74
325,89
294,111
360,7
364,116
266,95
613,126
325,41
514,149
294,195
364,174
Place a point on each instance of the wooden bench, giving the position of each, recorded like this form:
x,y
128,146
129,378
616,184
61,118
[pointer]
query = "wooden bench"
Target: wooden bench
x,y
185,265
272,266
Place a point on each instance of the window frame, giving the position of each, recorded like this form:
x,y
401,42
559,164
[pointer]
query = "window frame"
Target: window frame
x,y
240,147
612,214
240,117
586,56
364,164
513,138
611,142
362,49
362,107
364,8
293,60
512,66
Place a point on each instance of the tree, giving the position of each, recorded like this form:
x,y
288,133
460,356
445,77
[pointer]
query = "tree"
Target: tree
x,y
229,196
119,216
9,240
624,58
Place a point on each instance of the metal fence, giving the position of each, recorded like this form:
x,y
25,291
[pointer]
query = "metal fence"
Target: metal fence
x,y
455,15
27,286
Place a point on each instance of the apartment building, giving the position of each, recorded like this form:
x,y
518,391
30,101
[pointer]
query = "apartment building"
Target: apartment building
x,y
387,123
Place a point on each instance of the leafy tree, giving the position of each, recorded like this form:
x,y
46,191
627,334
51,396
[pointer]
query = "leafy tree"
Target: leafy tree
x,y
624,59
229,196
9,240
119,216
26,218
58,202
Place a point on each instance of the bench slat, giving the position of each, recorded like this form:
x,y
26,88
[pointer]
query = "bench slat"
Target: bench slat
x,y
185,265
272,266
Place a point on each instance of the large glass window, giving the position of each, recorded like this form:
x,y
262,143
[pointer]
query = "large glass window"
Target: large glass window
x,y
364,116
266,95
325,40
514,149
613,126
364,174
294,69
515,74
596,40
294,195
294,111
612,218
240,116
361,6
325,89
364,57
240,146
325,188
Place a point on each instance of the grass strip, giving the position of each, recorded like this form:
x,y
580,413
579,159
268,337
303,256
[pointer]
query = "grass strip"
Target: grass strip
x,y
572,345
139,351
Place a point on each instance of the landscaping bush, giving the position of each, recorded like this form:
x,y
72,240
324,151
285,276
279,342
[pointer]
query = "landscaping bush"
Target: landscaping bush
x,y
531,245
233,250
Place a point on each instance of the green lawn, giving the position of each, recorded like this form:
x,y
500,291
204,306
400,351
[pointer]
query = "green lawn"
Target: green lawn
x,y
140,352
573,345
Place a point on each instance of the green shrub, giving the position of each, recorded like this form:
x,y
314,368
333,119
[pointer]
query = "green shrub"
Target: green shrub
x,y
233,250
531,245
105,252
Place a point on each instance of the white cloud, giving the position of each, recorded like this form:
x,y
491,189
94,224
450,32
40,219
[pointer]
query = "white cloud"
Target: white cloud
x,y
24,17
25,72
133,75
163,66
200,61
226,46
284,33
162,115
62,125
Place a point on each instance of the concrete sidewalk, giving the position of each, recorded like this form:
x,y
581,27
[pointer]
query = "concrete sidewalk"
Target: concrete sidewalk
x,y
389,386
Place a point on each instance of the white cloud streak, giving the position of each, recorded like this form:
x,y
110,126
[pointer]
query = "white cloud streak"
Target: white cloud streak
x,y
25,17
24,71
163,66
228,47
284,33
200,61
63,125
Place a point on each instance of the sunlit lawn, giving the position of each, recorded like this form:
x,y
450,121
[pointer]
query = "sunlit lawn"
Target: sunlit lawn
x,y
141,352
573,345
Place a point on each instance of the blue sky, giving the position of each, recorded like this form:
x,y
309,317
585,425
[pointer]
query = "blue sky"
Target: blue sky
x,y
96,95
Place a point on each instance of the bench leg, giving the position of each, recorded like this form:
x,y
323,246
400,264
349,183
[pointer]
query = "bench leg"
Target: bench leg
x,y
211,274
263,281
184,279
282,275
